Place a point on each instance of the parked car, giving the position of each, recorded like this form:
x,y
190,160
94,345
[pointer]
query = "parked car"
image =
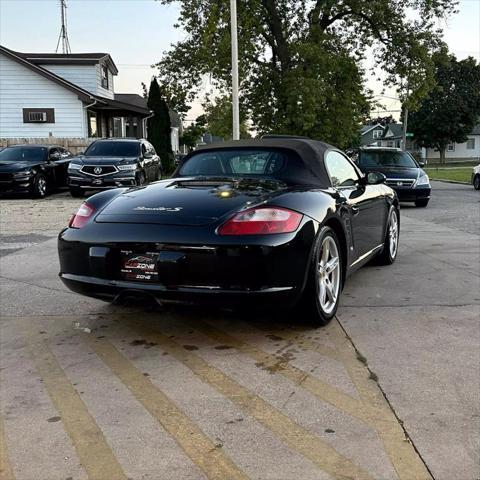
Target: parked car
x,y
476,177
179,159
35,170
404,174
114,162
272,222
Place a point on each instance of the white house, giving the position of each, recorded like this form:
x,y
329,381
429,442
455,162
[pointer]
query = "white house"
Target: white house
x,y
458,152
65,96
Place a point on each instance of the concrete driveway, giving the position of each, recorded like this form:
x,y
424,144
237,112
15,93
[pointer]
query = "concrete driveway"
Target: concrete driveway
x,y
389,390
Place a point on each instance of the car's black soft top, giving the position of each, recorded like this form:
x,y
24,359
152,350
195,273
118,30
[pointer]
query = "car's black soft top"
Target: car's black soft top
x,y
310,152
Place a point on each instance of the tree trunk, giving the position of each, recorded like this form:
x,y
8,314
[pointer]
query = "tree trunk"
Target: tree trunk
x,y
442,154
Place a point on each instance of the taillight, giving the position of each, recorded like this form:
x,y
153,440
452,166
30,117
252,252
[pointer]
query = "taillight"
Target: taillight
x,y
82,216
262,221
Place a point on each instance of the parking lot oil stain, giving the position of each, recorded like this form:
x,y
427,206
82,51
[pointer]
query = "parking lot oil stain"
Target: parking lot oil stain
x,y
190,347
271,336
329,430
223,347
145,374
53,419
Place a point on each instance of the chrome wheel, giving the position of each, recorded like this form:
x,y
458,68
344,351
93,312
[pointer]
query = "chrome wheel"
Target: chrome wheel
x,y
41,186
393,234
328,272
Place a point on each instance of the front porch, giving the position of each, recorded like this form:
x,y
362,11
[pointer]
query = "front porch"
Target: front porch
x,y
118,119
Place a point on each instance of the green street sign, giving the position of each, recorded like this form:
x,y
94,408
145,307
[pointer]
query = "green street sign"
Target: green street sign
x,y
409,134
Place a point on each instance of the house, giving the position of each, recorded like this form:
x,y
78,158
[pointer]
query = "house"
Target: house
x,y
69,96
458,152
378,135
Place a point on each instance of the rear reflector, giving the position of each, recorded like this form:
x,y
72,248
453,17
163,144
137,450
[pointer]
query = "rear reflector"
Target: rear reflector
x,y
82,216
262,221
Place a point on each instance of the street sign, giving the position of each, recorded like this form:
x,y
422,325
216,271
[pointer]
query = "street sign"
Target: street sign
x,y
409,134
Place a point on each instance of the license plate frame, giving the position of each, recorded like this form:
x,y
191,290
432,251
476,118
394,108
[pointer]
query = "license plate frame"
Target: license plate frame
x,y
139,266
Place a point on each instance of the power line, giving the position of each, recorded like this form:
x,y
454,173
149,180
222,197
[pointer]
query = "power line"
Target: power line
x,y
63,37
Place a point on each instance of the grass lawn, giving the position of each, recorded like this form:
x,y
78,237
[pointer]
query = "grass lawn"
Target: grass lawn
x,y
457,174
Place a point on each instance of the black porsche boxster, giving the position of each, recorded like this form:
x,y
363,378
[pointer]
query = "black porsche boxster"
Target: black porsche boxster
x,y
271,222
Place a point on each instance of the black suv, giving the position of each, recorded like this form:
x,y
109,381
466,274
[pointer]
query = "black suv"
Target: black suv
x,y
403,172
112,163
33,169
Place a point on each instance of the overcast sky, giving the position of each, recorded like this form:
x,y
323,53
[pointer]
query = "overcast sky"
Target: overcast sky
x,y
136,32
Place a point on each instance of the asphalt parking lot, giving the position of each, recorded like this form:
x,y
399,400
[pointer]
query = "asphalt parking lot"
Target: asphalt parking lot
x,y
389,390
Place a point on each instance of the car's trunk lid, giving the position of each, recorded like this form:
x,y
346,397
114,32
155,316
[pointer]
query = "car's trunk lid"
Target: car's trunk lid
x,y
187,201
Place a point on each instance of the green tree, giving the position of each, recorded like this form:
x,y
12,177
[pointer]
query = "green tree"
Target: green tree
x,y
218,116
301,61
452,108
193,132
159,128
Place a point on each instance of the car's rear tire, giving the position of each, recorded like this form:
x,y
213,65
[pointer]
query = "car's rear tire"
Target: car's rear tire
x,y
476,182
320,299
390,246
421,203
40,186
76,192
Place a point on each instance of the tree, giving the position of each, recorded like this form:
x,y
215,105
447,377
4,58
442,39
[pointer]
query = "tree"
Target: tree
x,y
159,128
301,61
193,132
452,108
218,116
382,120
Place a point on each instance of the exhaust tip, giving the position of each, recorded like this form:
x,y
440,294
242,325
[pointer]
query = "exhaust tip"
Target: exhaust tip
x,y
136,298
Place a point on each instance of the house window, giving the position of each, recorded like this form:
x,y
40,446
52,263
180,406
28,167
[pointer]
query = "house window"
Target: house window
x,y
92,125
471,144
451,147
390,143
377,133
38,115
105,76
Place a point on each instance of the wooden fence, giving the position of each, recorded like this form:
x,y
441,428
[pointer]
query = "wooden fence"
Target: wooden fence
x,y
75,145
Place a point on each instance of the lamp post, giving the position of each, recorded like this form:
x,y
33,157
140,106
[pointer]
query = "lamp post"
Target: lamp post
x,y
235,103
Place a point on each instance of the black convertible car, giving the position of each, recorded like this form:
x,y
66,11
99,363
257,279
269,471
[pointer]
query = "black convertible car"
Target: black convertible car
x,y
33,169
273,222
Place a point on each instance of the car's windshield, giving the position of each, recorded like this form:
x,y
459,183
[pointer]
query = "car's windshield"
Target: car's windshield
x,y
236,162
23,154
385,158
113,149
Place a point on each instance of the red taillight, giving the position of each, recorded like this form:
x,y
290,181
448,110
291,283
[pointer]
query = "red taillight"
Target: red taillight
x,y
262,221
82,216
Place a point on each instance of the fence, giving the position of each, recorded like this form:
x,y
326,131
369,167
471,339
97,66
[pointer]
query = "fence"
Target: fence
x,y
75,145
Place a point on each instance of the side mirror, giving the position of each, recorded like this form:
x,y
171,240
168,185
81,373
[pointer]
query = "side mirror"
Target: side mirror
x,y
376,178
55,156
79,154
421,163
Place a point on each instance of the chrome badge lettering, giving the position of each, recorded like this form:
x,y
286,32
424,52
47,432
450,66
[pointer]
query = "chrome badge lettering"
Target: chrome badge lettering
x,y
158,209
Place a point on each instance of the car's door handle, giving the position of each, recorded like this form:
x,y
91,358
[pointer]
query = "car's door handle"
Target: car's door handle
x,y
355,210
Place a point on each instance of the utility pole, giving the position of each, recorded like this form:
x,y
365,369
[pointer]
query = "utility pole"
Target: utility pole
x,y
235,102
405,121
63,37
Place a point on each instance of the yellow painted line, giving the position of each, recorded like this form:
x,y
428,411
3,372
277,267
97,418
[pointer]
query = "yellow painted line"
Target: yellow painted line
x,y
202,451
280,366
405,460
296,437
6,470
92,449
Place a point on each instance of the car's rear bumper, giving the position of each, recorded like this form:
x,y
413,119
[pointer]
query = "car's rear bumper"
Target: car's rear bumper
x,y
413,194
212,270
112,290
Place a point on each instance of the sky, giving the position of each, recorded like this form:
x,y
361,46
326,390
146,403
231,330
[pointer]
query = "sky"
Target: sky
x,y
136,33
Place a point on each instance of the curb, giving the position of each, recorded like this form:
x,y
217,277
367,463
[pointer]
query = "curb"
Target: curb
x,y
450,181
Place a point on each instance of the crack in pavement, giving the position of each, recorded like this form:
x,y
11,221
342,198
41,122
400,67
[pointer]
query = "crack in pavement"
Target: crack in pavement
x,y
374,377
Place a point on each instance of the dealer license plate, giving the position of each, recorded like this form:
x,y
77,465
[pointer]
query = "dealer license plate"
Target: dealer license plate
x,y
139,266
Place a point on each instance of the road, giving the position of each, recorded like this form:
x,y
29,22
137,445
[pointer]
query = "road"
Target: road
x,y
389,390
